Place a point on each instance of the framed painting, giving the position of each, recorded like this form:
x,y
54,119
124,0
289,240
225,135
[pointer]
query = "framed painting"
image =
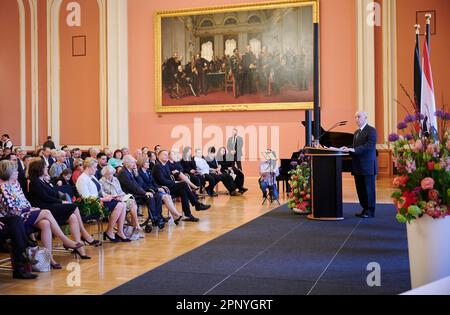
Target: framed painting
x,y
236,58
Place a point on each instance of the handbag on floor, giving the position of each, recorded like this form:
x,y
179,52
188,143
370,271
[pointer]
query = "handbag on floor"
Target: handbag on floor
x,y
43,258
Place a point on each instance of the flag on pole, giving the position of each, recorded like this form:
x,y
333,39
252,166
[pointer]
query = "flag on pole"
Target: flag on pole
x,y
417,71
428,101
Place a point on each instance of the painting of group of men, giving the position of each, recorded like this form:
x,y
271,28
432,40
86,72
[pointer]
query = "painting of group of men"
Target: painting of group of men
x,y
243,73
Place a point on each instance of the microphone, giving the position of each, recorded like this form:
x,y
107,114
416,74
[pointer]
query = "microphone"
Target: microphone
x,y
338,124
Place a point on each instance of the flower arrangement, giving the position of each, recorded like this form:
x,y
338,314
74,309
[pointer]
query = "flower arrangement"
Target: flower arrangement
x,y
422,161
300,196
91,208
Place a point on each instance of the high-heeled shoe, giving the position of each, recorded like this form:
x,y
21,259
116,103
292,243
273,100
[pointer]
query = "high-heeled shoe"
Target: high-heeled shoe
x,y
56,266
124,240
76,252
106,236
177,221
93,243
77,245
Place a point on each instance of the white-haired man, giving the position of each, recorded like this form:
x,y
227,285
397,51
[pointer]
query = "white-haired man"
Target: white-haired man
x,y
364,164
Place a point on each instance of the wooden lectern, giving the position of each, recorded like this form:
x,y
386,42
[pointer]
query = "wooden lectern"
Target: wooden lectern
x,y
326,184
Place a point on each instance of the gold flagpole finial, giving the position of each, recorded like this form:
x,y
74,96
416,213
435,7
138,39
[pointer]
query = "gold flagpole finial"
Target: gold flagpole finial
x,y
417,27
428,17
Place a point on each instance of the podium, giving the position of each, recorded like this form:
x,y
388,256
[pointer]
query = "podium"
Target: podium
x,y
326,184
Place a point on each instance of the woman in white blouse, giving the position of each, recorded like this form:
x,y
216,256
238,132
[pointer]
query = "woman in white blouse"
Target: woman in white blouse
x,y
88,186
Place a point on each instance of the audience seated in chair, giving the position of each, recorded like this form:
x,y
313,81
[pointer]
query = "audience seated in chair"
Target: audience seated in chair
x,y
14,229
216,172
44,195
14,203
88,186
227,163
149,184
178,172
130,185
162,175
111,186
204,170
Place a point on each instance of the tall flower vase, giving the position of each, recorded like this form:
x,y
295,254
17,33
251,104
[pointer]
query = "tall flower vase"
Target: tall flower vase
x,y
429,252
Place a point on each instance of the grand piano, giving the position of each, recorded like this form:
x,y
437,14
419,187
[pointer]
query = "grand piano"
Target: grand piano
x,y
328,139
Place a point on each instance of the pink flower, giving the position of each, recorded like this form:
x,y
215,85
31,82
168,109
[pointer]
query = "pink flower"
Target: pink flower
x,y
427,183
418,146
401,181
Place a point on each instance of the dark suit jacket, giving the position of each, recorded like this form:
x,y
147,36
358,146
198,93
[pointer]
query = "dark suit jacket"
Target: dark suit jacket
x,y
238,147
176,166
188,166
129,183
50,161
364,160
41,194
162,175
69,161
21,178
147,181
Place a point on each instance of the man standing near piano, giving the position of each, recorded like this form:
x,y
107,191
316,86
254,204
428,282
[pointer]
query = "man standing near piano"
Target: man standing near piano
x,y
364,164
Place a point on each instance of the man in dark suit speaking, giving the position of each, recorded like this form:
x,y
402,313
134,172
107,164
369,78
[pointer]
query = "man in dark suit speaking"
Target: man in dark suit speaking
x,y
365,167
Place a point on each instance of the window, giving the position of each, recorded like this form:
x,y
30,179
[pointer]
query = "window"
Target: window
x,y
207,23
207,51
254,19
230,45
230,21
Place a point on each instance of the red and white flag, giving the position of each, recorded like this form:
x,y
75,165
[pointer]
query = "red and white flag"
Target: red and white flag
x,y
428,101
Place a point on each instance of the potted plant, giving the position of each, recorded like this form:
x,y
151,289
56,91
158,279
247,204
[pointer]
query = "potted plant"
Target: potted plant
x,y
91,209
300,182
422,161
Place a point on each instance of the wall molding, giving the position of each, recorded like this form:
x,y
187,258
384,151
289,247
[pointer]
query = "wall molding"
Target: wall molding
x,y
23,73
366,61
390,66
53,69
54,78
34,46
117,73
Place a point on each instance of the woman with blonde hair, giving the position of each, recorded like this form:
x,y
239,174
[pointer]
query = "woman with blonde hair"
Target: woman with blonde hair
x,y
88,186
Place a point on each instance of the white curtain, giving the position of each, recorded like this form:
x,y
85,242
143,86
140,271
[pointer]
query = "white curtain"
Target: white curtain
x,y
207,51
230,45
255,44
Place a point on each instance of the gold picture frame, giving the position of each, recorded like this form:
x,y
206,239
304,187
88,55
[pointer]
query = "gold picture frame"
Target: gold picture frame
x,y
167,96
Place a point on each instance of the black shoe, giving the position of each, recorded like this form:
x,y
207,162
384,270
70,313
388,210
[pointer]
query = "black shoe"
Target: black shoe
x,y
161,224
367,216
93,243
76,252
120,239
177,221
166,219
56,266
243,190
234,193
191,219
213,194
21,273
359,214
106,236
202,207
